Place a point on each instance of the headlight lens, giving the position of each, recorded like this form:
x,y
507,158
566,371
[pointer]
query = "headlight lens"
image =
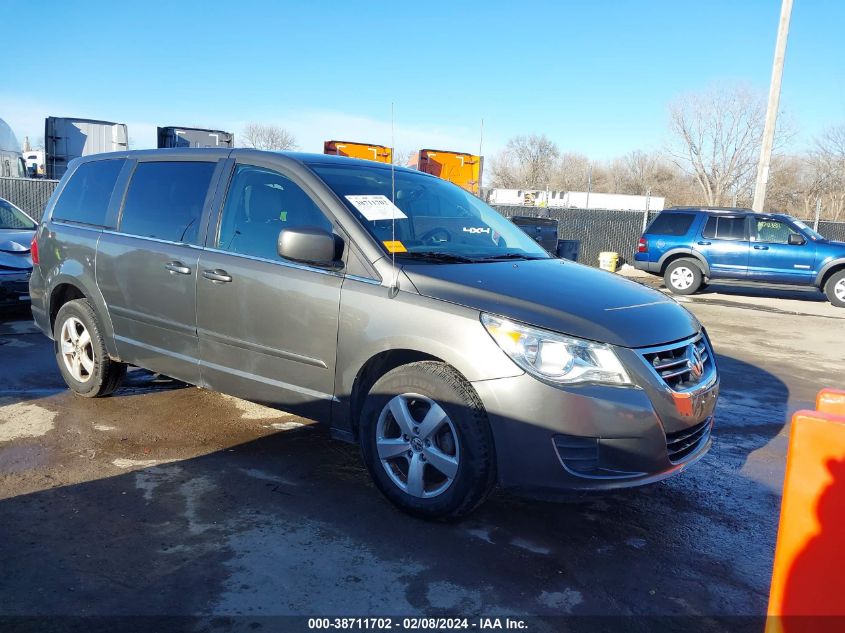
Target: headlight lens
x,y
556,357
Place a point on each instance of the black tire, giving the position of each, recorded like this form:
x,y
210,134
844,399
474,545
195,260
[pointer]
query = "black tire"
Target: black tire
x,y
106,374
836,284
683,277
476,469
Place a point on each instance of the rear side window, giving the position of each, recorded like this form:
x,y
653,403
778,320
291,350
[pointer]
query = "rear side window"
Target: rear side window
x,y
724,228
671,224
165,200
85,198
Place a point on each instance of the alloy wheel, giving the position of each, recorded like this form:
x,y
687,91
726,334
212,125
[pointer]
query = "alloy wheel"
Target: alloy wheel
x,y
417,445
77,350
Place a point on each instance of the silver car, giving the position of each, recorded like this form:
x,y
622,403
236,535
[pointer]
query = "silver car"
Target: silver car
x,y
399,309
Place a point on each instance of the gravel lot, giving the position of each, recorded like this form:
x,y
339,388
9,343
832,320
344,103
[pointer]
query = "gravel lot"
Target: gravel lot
x,y
170,500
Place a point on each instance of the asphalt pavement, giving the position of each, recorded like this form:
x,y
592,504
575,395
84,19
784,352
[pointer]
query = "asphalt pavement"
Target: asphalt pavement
x,y
166,499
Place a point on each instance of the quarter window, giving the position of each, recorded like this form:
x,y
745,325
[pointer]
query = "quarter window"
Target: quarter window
x,y
165,200
259,205
772,231
671,224
724,228
85,198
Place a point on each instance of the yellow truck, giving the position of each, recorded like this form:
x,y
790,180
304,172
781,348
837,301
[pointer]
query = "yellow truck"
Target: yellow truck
x,y
378,153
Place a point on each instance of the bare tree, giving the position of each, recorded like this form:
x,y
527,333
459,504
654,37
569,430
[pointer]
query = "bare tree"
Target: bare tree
x,y
267,136
401,157
572,172
526,162
827,161
717,139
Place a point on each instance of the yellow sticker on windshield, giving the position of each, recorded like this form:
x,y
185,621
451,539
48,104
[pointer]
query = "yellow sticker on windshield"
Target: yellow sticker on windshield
x,y
395,246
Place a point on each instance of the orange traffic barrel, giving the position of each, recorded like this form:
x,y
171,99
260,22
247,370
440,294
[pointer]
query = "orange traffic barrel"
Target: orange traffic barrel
x,y
808,579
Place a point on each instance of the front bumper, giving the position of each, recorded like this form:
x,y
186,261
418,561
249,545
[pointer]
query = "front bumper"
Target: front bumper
x,y
14,287
552,439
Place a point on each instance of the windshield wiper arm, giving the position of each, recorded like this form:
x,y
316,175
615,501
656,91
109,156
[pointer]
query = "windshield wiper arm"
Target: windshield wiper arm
x,y
506,256
434,256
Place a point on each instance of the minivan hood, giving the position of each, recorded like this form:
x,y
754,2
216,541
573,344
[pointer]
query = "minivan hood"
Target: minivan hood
x,y
562,296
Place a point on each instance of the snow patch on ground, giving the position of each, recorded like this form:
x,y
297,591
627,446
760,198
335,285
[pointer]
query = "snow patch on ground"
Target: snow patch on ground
x,y
253,411
22,419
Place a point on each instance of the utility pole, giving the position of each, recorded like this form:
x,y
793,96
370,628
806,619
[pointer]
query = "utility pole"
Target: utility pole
x,y
589,184
772,109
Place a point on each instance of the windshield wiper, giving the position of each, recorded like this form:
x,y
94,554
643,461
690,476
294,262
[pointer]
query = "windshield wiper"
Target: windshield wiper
x,y
506,256
434,256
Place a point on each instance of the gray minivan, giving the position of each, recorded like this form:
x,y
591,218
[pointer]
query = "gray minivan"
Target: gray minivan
x,y
388,303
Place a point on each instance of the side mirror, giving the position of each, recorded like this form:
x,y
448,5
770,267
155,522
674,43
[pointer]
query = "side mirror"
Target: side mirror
x,y
311,246
796,240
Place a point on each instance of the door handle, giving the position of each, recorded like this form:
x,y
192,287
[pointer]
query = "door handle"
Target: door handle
x,y
217,276
760,248
177,268
705,243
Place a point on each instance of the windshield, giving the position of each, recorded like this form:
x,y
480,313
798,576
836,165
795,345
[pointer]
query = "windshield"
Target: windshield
x,y
807,229
13,218
435,220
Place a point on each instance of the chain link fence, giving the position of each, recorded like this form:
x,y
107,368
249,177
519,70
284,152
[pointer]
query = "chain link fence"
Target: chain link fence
x,y
597,229
830,230
29,194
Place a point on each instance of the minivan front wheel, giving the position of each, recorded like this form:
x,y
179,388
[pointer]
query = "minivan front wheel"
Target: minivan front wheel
x,y
835,289
683,277
426,441
81,353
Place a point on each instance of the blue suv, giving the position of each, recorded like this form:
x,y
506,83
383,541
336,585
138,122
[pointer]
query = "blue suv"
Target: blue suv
x,y
689,246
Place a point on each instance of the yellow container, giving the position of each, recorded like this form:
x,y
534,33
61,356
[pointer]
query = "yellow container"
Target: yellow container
x,y
608,261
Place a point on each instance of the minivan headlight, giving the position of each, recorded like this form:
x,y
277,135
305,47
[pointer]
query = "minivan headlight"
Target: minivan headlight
x,y
556,357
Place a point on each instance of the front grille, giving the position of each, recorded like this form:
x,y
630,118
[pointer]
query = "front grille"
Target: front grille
x,y
682,444
682,366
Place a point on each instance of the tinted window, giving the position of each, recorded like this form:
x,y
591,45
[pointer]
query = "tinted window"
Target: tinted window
x,y
772,231
165,200
724,228
671,224
261,203
85,197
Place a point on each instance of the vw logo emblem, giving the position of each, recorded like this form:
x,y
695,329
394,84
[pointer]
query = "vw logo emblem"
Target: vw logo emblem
x,y
694,362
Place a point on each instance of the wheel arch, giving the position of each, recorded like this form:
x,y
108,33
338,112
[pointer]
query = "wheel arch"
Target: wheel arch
x,y
374,368
677,254
829,269
69,288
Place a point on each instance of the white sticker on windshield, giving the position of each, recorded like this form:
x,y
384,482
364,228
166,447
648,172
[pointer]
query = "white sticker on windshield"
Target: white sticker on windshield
x,y
376,208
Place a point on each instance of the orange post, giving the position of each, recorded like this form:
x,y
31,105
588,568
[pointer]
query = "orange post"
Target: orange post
x,y
809,568
831,401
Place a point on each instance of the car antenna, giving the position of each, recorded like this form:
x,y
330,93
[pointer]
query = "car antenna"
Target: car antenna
x,y
394,285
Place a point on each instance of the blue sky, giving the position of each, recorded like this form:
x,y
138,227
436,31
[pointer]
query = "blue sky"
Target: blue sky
x,y
594,76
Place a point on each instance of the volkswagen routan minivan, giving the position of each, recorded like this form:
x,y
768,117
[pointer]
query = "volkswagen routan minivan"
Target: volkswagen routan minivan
x,y
395,307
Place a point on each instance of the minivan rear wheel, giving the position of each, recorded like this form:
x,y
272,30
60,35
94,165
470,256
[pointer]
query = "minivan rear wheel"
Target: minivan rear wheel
x,y
683,277
81,353
426,441
835,289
